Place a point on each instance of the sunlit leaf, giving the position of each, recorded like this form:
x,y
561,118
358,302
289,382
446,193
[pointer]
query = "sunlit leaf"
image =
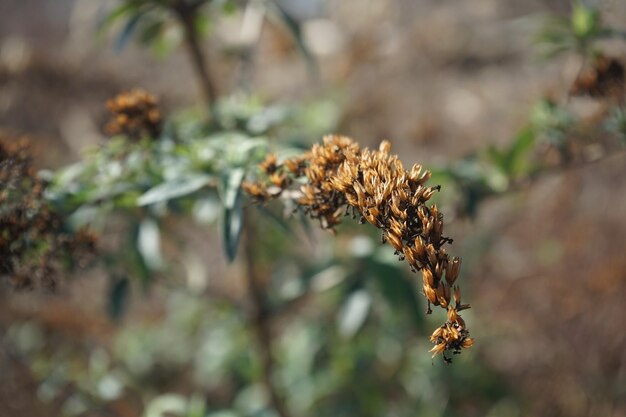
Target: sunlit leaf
x,y
233,210
175,188
585,20
149,244
353,313
167,405
519,154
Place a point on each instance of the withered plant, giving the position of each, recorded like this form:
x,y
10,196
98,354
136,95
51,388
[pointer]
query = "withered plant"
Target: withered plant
x,y
34,243
373,186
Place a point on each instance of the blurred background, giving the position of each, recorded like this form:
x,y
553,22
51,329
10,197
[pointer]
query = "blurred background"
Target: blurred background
x,y
457,86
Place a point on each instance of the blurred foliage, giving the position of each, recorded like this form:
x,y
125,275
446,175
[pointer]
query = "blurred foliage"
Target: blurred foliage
x,y
579,33
348,333
156,24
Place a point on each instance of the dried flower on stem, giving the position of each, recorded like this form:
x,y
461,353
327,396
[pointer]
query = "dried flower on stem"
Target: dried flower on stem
x,y
373,186
135,113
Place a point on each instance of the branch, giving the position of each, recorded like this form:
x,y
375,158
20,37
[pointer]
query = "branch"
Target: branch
x,y
261,320
186,14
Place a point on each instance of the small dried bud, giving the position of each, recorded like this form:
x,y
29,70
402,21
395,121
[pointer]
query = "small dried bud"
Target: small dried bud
x,y
452,271
467,343
452,315
269,165
427,277
438,349
135,113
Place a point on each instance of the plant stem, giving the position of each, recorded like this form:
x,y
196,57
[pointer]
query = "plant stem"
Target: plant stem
x,y
186,13
261,320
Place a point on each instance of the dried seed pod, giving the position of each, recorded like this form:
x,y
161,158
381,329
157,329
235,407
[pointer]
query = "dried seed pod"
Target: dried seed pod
x,y
452,272
437,349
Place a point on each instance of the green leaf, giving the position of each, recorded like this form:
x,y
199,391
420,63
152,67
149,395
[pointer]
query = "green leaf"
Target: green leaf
x,y
118,297
167,405
175,188
151,31
149,244
585,21
353,313
135,259
523,144
127,32
232,197
119,12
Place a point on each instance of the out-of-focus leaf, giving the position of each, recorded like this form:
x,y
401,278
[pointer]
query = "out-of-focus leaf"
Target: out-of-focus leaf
x,y
127,31
523,144
353,313
151,31
196,407
229,7
167,405
207,210
585,21
233,210
224,413
118,297
119,12
175,188
135,258
202,23
513,160
149,244
277,220
294,27
400,292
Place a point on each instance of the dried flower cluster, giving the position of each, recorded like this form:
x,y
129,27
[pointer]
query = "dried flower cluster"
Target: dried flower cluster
x,y
33,243
374,186
135,113
604,79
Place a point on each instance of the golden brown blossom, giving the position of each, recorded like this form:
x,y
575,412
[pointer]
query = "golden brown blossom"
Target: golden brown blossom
x,y
341,178
135,113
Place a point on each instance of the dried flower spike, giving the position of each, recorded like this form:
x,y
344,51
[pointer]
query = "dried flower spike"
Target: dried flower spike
x,y
374,187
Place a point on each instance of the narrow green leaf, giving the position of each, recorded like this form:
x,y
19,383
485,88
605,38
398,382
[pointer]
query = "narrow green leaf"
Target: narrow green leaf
x,y
175,188
232,197
585,21
151,31
524,142
135,259
127,32
117,13
118,297
149,244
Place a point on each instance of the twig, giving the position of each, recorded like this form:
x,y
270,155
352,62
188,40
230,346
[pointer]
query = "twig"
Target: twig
x,y
186,14
261,320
